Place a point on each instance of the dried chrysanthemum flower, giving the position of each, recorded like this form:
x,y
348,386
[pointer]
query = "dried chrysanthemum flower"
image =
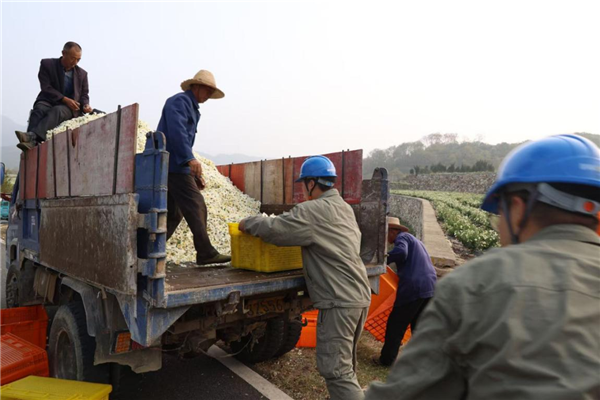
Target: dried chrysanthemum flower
x,y
73,123
225,202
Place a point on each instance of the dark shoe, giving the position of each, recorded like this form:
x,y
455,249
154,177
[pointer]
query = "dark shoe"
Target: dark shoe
x,y
26,145
218,259
25,137
377,361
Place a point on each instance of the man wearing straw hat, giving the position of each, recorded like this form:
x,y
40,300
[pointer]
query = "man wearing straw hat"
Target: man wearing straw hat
x,y
415,287
179,121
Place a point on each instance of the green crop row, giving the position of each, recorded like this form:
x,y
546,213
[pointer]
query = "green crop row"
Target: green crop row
x,y
461,217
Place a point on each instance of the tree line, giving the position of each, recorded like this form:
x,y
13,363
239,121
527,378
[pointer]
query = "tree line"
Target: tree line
x,y
479,166
442,153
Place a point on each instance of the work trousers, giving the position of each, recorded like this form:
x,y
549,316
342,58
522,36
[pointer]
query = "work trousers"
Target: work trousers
x,y
45,116
338,332
400,318
184,200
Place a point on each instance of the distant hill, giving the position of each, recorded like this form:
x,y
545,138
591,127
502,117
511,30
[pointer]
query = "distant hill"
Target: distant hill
x,y
441,148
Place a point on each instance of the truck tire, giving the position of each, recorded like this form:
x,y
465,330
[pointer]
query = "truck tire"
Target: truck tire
x,y
291,334
265,347
71,349
12,286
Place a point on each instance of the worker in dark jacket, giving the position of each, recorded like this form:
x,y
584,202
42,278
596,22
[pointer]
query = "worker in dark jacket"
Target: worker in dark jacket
x,y
521,321
179,121
415,287
63,95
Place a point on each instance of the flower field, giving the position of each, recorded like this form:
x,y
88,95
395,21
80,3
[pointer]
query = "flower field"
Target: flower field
x,y
461,217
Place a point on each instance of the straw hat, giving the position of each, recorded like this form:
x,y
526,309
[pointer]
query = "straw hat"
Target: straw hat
x,y
204,77
394,223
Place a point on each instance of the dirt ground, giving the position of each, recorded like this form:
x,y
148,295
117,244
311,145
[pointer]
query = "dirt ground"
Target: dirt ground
x,y
296,372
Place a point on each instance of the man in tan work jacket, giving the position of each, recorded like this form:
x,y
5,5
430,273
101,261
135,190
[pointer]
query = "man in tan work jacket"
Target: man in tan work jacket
x,y
326,228
523,321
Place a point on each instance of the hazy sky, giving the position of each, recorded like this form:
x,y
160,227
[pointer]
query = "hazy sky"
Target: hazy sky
x,y
307,78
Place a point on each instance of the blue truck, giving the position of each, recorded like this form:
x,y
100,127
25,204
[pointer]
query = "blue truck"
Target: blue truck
x,y
87,238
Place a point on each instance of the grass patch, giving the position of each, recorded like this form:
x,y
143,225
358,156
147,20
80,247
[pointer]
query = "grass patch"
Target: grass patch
x,y
296,372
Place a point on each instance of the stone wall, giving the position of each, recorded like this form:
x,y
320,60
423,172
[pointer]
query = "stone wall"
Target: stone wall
x,y
419,216
410,212
474,182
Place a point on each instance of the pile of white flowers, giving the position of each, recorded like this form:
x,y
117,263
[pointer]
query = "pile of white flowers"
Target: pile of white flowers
x,y
73,123
225,202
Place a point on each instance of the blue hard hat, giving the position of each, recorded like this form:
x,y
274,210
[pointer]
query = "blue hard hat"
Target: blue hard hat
x,y
569,159
317,167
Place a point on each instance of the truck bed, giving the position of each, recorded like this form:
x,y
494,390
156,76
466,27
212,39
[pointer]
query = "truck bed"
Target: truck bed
x,y
191,284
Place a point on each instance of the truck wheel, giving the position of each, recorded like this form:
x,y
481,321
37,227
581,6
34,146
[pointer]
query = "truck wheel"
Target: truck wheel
x,y
12,286
71,349
291,334
264,348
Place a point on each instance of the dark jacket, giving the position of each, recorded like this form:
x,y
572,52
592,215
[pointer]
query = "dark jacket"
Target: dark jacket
x,y
415,271
52,84
179,123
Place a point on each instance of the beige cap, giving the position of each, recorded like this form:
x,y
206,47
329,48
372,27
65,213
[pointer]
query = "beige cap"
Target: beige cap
x,y
394,223
204,77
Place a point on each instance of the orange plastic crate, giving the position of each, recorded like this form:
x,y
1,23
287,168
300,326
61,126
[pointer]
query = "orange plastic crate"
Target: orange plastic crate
x,y
308,337
29,323
377,321
388,284
19,358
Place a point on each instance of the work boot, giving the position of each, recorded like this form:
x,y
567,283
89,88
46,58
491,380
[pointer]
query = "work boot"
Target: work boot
x,y
376,359
25,137
218,259
27,145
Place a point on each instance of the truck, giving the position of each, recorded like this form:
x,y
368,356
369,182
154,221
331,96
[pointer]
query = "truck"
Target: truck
x,y
87,239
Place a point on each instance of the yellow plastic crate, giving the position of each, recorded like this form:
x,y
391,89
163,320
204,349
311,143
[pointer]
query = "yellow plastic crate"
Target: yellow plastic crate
x,y
36,387
250,252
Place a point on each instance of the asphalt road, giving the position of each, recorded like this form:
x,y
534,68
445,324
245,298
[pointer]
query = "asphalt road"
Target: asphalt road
x,y
202,377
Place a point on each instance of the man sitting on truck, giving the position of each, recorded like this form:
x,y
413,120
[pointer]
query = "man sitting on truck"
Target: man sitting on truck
x,y
179,122
63,95
520,322
326,228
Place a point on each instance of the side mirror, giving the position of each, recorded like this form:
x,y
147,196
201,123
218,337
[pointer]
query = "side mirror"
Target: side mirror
x,y
2,172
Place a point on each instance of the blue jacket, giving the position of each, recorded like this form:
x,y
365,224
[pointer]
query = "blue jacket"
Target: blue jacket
x,y
415,270
179,123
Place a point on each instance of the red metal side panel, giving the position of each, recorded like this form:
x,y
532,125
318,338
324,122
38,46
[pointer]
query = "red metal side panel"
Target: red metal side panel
x,y
238,176
279,176
50,192
272,182
352,176
61,169
298,193
127,149
288,164
252,180
31,159
223,170
92,155
42,189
